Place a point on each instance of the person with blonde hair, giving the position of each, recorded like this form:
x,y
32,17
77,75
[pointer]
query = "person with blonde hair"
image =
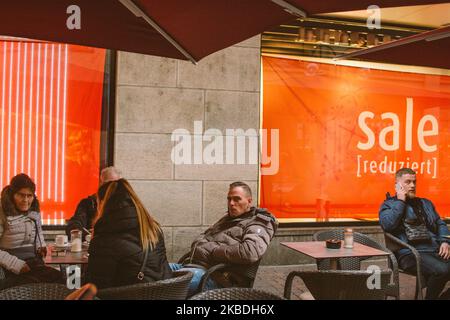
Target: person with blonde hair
x,y
86,210
128,244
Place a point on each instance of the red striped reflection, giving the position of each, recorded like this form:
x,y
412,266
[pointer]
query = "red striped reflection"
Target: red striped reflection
x,y
50,123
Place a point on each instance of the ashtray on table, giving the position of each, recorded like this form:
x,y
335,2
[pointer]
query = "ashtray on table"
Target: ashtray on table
x,y
333,243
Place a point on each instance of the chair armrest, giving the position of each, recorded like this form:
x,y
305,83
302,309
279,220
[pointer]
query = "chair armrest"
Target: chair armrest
x,y
392,260
414,251
2,274
395,280
189,265
399,242
208,273
393,264
288,283
403,244
183,257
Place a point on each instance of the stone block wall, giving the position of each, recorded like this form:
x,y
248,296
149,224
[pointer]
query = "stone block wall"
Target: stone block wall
x,y
156,96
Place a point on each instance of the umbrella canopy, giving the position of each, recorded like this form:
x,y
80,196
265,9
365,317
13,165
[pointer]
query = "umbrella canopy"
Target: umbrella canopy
x,y
183,29
316,7
427,49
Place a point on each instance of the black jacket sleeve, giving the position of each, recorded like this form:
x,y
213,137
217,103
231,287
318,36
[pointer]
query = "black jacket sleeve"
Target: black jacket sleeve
x,y
391,214
83,216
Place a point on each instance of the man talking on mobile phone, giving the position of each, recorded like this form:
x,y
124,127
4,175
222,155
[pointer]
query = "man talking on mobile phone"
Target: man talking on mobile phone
x,y
414,220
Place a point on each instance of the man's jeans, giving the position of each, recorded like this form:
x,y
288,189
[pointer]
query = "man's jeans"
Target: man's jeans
x,y
435,270
196,278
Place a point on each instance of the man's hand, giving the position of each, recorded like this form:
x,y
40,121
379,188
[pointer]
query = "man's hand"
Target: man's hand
x,y
444,251
25,269
401,191
42,251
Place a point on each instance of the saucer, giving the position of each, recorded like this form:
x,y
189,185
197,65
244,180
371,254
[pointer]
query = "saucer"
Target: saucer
x,y
61,247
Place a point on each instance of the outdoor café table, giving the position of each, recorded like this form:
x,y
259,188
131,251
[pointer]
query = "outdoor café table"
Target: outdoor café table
x,y
318,251
70,258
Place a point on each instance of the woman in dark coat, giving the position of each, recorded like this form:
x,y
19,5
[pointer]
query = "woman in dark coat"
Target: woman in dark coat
x,y
123,232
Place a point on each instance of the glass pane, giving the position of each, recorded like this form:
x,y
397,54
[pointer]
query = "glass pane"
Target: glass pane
x,y
50,103
344,131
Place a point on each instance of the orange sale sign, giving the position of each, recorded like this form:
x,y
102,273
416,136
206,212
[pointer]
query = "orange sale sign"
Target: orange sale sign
x,y
345,131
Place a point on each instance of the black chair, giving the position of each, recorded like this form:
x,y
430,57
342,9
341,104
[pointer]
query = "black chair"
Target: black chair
x,y
340,284
2,278
394,244
248,271
175,288
354,263
2,274
235,294
36,291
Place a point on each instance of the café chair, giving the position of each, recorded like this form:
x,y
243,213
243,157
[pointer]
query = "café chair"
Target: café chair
x,y
2,274
36,291
175,288
354,263
394,244
249,272
235,294
340,284
2,278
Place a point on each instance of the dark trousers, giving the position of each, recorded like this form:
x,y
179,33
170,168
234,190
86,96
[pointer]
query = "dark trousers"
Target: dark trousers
x,y
39,273
435,270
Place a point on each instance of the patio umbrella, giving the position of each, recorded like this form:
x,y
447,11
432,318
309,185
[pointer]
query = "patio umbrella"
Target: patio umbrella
x,y
183,29
427,49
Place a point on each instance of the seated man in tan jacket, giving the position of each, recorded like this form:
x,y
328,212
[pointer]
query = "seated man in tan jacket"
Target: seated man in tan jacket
x,y
240,239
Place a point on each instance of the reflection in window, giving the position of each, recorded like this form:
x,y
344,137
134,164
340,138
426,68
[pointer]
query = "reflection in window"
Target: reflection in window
x,y
50,121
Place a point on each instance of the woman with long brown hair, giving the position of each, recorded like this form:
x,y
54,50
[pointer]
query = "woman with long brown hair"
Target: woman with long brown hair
x,y
22,244
128,244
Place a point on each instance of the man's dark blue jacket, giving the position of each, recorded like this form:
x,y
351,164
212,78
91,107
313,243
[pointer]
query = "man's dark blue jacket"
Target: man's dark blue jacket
x,y
392,213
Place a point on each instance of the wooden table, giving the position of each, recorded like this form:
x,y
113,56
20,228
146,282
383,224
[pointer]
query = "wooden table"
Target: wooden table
x,y
318,250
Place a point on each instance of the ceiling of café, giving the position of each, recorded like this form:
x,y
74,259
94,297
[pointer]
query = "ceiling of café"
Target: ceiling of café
x,y
333,34
433,16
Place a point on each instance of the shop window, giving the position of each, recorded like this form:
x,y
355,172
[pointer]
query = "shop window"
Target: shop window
x,y
54,99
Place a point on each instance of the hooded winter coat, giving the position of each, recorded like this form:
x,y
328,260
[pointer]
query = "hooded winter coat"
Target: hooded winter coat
x,y
239,241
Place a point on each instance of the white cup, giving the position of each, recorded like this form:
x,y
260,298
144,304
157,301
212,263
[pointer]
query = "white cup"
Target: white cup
x,y
61,240
88,238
